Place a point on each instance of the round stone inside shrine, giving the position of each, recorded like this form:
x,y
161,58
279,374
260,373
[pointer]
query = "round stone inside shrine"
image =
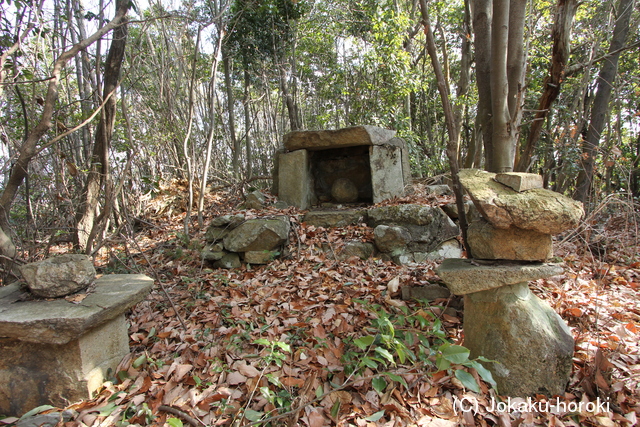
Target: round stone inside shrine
x,y
344,190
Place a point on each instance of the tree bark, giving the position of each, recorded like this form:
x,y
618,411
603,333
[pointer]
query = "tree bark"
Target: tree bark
x,y
98,178
453,143
600,107
482,16
235,143
561,34
503,137
212,112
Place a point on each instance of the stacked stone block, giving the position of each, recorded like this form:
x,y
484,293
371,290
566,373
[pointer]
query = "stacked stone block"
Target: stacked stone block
x,y
503,321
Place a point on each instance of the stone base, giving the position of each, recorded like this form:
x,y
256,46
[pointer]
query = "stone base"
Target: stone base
x,y
34,374
532,345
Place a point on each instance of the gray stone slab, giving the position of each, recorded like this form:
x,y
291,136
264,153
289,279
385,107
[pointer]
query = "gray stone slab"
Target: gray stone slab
x,y
520,181
60,321
387,177
465,276
294,186
347,137
334,218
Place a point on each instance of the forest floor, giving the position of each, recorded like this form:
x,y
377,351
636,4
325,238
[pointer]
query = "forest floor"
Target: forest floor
x,y
311,341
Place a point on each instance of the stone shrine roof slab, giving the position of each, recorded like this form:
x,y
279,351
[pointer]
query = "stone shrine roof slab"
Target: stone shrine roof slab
x,y
340,138
60,321
465,276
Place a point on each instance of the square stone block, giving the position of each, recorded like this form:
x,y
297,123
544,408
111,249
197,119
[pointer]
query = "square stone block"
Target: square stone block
x,y
489,242
34,374
294,179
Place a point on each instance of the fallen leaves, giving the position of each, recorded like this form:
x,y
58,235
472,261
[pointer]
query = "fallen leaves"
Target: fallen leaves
x,y
227,367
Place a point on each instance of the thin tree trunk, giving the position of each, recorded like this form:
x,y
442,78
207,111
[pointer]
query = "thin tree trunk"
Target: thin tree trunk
x,y
247,121
561,34
453,143
212,94
235,144
185,144
600,107
98,178
29,148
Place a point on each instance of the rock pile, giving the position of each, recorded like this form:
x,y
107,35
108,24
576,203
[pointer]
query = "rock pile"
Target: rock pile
x,y
256,241
503,321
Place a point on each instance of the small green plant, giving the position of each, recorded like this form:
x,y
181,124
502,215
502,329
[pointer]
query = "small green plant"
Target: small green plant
x,y
452,357
405,336
276,351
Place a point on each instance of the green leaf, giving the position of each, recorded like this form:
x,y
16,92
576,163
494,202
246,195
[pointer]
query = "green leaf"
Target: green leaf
x,y
442,364
379,384
367,361
467,380
398,378
335,409
385,353
37,410
484,373
174,422
375,417
284,346
319,392
363,342
139,361
401,354
252,415
107,409
455,354
263,341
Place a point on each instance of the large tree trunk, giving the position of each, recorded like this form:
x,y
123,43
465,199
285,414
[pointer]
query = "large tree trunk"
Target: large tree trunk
x,y
561,34
600,107
500,58
98,178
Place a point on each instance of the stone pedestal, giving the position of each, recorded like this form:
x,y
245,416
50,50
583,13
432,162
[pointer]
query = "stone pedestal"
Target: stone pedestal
x,y
503,321
56,352
531,344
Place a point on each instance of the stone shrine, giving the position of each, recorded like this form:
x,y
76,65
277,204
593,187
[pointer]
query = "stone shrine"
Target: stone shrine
x,y
363,164
56,351
503,320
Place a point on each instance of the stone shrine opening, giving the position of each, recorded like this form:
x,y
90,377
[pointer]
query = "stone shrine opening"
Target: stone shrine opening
x,y
361,164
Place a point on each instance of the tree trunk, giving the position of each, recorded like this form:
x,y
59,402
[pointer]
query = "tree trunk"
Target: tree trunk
x,y
185,143
212,114
235,143
247,120
503,138
29,147
600,107
453,143
98,178
482,16
561,34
